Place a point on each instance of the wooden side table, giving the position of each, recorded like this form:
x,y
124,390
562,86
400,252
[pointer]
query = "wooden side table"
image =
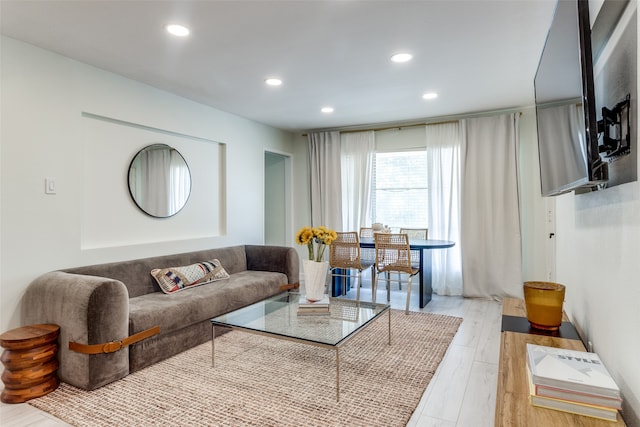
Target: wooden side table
x,y
30,362
513,407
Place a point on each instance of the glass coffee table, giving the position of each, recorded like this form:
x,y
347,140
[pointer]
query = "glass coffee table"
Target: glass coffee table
x,y
278,317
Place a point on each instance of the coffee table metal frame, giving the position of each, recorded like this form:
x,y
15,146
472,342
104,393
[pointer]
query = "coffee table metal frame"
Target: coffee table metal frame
x,y
331,331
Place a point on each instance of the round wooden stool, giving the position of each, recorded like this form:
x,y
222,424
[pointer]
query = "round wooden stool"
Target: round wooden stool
x,y
30,362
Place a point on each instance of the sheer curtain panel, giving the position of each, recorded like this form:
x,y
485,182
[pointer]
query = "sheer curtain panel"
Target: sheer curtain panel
x,y
490,220
156,179
324,168
443,205
179,182
357,151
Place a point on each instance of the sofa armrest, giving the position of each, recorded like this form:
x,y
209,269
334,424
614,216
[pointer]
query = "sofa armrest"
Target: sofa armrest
x,y
281,259
89,310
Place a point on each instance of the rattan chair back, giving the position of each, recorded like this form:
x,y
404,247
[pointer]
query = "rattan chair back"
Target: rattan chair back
x,y
344,256
416,233
366,232
344,252
393,253
367,255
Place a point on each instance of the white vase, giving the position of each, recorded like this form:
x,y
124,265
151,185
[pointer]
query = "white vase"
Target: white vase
x,y
315,276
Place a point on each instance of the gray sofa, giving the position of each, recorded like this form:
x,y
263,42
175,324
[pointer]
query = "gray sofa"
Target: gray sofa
x,y
102,303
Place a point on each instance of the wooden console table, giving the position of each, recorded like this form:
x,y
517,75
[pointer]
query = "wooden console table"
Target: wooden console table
x,y
513,407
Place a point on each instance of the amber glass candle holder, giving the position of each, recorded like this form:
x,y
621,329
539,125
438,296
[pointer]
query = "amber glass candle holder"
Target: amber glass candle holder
x,y
543,301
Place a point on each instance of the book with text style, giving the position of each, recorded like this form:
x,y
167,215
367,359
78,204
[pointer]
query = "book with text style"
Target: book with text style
x,y
572,370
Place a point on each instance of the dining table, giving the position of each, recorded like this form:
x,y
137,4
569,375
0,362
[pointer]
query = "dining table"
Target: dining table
x,y
425,247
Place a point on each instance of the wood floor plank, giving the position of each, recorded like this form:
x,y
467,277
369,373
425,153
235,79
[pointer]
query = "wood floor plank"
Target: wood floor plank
x,y
446,397
488,349
478,406
474,318
23,414
432,422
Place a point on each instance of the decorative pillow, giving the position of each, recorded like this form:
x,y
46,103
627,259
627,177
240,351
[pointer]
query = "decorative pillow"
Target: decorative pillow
x,y
174,279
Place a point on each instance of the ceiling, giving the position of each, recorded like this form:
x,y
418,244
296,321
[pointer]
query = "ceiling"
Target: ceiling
x,y
478,55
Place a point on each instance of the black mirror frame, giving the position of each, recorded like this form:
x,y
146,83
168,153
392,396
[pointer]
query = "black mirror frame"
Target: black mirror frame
x,y
129,181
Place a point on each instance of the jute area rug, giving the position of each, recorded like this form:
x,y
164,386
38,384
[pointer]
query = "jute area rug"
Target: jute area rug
x,y
262,381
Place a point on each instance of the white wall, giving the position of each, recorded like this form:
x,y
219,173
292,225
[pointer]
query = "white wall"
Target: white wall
x,y
300,188
598,247
43,134
401,139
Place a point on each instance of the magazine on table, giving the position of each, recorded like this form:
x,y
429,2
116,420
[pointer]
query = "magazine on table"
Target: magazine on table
x,y
578,397
572,370
594,411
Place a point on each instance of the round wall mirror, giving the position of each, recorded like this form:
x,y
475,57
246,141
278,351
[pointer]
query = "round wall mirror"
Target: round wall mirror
x,y
159,180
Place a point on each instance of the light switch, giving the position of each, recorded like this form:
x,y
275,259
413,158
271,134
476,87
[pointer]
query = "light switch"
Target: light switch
x,y
50,186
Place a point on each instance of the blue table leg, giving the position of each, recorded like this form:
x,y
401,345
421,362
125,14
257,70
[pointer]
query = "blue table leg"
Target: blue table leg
x,y
339,282
425,277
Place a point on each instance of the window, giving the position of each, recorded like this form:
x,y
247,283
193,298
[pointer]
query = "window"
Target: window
x,y
399,188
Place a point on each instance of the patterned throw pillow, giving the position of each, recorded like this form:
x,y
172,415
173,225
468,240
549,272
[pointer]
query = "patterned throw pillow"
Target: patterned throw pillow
x,y
174,279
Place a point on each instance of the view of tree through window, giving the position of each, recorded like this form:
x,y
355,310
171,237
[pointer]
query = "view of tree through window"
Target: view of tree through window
x,y
400,189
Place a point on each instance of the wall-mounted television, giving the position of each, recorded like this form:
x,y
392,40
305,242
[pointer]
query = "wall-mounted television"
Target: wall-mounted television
x,y
565,105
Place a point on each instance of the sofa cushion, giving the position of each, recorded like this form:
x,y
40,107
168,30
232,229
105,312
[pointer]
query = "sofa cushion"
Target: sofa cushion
x,y
135,273
174,279
193,305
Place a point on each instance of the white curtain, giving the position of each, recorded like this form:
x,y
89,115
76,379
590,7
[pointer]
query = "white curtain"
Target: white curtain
x,y
324,168
179,182
490,219
357,151
153,166
443,204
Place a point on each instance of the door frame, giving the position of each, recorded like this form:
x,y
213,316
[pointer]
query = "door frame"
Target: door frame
x,y
550,245
288,194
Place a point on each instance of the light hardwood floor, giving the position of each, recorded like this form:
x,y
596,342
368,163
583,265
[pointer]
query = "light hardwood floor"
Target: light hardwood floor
x,y
462,393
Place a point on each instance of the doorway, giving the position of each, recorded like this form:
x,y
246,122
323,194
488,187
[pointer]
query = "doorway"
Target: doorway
x,y
277,199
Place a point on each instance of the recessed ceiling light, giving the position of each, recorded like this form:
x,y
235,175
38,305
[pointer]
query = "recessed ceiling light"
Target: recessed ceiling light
x,y
177,30
430,95
327,110
272,81
401,57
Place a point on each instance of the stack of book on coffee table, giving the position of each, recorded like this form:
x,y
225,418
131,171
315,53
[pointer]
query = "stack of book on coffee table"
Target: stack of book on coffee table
x,y
306,307
571,381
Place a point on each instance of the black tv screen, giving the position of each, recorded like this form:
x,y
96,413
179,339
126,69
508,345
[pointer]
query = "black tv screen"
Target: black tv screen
x,y
565,104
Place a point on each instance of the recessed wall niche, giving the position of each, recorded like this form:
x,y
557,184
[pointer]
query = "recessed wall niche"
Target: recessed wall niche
x,y
110,217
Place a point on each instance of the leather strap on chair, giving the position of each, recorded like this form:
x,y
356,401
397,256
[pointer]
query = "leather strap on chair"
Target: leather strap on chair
x,y
113,346
289,286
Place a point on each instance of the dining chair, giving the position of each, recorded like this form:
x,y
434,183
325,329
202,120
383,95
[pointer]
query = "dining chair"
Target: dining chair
x,y
393,253
344,256
367,255
366,232
415,233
